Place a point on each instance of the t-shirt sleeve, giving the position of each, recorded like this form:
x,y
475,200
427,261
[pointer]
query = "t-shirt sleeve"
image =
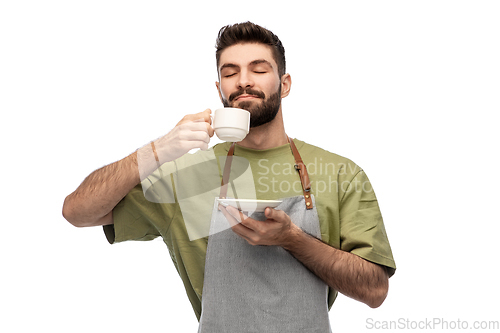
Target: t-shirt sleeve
x,y
135,218
362,230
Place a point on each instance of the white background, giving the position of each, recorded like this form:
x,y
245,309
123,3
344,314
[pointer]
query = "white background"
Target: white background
x,y
409,90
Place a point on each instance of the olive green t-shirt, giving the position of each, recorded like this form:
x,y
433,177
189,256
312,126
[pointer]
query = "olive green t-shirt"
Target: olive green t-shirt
x,y
176,203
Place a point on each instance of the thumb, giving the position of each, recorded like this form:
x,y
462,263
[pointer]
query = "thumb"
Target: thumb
x,y
268,213
205,115
271,213
276,215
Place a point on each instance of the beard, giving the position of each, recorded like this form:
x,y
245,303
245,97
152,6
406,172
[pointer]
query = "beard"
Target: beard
x,y
261,112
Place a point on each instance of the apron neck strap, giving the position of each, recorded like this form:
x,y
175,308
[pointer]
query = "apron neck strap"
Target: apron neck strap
x,y
299,166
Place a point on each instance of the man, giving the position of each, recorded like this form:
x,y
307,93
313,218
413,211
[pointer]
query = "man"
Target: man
x,y
274,271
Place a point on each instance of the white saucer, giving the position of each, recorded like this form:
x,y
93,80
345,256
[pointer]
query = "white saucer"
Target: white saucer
x,y
249,205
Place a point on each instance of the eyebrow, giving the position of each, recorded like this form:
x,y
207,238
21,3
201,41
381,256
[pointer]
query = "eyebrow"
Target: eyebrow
x,y
253,63
228,66
261,61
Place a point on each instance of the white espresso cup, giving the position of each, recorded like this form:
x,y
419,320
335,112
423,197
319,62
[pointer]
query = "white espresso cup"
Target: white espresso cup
x,y
231,124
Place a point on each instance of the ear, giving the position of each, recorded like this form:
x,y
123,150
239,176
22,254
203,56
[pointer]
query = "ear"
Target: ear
x,y
217,84
286,85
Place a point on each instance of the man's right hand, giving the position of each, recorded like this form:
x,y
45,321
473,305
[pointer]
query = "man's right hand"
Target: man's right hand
x,y
193,131
92,203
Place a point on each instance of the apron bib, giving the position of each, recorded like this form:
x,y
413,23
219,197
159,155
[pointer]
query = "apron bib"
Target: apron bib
x,y
262,289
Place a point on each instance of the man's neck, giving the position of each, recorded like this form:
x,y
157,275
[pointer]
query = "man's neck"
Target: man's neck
x,y
266,136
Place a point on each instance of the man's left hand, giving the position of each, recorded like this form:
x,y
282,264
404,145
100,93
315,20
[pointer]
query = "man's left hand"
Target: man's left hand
x,y
278,229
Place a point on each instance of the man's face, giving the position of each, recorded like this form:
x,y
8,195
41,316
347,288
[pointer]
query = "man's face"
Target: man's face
x,y
249,80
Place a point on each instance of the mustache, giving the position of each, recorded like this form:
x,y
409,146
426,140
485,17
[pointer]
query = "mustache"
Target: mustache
x,y
249,91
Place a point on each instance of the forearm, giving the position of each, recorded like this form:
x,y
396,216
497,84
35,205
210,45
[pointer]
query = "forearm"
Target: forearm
x,y
343,271
93,201
101,191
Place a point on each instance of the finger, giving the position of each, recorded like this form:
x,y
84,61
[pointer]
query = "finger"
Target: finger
x,y
207,116
243,219
196,125
210,130
197,131
202,145
268,212
232,221
235,213
237,227
274,214
201,116
197,136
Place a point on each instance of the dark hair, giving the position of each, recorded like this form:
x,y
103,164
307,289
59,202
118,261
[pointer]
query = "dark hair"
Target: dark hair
x,y
249,32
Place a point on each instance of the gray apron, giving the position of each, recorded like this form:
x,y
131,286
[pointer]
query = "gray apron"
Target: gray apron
x,y
262,289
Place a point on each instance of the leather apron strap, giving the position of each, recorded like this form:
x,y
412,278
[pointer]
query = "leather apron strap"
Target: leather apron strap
x,y
227,171
299,166
304,176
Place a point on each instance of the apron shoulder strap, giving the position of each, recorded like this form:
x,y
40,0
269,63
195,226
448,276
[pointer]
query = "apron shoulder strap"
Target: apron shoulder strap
x,y
227,171
304,176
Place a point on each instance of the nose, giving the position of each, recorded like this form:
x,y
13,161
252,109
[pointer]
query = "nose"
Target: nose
x,y
244,80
